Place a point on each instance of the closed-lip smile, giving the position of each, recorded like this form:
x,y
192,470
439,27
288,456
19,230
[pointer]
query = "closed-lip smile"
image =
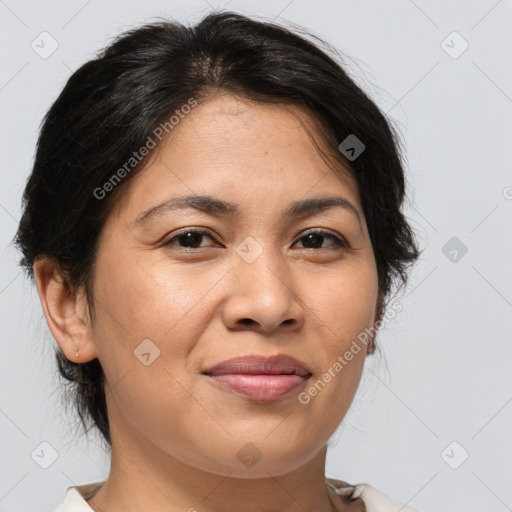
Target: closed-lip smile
x,y
260,378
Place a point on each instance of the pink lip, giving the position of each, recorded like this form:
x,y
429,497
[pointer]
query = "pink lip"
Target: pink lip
x,y
260,378
261,388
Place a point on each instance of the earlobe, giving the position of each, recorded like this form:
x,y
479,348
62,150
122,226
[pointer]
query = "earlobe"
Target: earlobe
x,y
64,312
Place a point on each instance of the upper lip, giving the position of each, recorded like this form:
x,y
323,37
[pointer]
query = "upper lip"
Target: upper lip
x,y
261,365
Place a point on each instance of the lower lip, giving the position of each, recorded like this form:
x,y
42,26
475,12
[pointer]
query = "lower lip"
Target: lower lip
x,y
261,388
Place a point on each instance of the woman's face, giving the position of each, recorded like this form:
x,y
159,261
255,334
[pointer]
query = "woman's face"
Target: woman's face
x,y
170,306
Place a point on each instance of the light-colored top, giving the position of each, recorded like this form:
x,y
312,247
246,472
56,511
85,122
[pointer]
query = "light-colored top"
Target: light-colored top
x,y
341,493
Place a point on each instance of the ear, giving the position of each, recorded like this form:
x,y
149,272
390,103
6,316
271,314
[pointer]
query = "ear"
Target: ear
x,y
66,313
376,324
379,309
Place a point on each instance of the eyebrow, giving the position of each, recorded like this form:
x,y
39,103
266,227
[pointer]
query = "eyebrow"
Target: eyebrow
x,y
218,207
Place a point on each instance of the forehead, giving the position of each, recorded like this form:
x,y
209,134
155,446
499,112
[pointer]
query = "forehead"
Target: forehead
x,y
258,150
249,129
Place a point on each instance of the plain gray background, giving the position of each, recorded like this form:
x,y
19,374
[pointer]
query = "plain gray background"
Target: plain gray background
x,y
442,389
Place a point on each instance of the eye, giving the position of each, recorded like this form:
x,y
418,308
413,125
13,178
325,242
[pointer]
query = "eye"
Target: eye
x,y
315,238
189,238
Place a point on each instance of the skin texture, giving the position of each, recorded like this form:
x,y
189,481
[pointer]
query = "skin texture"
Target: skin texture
x,y
175,434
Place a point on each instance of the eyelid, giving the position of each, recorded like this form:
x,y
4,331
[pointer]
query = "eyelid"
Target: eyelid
x,y
191,229
339,240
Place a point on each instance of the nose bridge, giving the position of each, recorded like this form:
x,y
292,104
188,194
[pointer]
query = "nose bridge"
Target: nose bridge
x,y
263,289
263,264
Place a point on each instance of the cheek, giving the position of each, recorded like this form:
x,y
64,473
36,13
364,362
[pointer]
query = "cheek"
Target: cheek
x,y
143,301
344,309
154,403
160,305
345,304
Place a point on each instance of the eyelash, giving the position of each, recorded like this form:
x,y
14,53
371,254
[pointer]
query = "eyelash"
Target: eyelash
x,y
338,241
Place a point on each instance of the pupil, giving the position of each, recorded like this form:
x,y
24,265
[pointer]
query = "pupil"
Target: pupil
x,y
190,238
313,239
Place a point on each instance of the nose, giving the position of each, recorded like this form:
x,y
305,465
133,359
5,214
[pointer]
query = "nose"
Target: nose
x,y
263,296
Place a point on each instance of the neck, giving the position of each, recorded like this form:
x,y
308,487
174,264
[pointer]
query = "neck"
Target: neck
x,y
150,479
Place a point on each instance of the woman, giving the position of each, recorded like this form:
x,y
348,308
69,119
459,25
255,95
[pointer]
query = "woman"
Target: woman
x,y
213,223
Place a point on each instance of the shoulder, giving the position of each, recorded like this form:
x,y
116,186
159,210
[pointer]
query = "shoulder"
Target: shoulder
x,y
373,499
76,495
